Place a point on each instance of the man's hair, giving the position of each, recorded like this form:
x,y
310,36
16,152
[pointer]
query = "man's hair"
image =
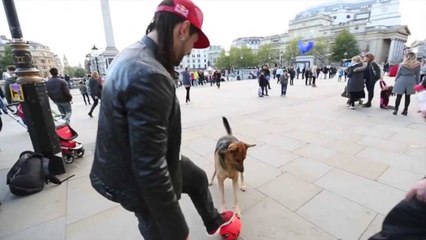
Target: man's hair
x,y
11,68
164,23
54,72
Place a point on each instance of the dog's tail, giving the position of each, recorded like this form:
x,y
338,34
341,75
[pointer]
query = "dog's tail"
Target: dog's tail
x,y
227,127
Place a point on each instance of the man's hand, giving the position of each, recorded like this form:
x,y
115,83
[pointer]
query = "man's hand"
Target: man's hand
x,y
418,191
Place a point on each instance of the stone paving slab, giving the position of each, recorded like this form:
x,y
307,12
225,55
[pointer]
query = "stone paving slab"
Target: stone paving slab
x,y
337,215
362,167
306,169
368,193
374,227
316,163
270,220
290,191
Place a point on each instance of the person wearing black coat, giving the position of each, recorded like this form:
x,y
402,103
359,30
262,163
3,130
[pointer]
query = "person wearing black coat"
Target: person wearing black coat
x,y
95,91
292,75
355,85
58,90
263,84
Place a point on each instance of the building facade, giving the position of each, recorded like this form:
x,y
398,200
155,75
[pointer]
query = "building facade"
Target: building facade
x,y
251,42
376,25
213,54
201,59
419,47
43,59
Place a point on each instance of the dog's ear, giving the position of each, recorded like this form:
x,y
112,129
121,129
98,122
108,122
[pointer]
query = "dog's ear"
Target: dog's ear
x,y
232,147
249,145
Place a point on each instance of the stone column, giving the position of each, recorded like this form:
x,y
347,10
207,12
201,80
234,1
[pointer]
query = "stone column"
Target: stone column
x,y
397,47
110,51
107,23
391,57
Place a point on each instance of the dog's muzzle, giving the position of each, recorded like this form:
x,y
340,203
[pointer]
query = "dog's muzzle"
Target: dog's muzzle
x,y
240,168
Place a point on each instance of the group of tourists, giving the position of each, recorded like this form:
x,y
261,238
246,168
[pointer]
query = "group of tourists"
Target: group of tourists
x,y
365,72
190,79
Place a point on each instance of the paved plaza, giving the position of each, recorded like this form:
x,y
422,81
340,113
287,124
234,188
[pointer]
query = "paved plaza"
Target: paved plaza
x,y
319,170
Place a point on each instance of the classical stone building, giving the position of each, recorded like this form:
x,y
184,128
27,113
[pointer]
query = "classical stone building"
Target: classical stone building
x,y
250,42
419,47
198,59
201,59
43,58
375,23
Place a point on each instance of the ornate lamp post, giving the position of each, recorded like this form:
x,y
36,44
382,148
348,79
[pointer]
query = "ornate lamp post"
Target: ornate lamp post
x,y
36,106
88,61
95,54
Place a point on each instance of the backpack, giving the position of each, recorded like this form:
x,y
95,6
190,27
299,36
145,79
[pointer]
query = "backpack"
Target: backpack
x,y
29,174
376,70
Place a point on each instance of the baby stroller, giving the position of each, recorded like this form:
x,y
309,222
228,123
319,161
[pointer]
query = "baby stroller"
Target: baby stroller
x,y
70,149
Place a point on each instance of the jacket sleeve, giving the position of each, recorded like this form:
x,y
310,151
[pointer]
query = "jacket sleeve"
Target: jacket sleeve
x,y
148,104
418,80
398,73
66,91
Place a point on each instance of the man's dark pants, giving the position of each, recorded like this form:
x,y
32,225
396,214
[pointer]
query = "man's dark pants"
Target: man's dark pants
x,y
195,184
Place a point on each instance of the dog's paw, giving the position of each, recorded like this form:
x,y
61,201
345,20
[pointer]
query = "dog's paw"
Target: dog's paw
x,y
243,188
223,209
237,212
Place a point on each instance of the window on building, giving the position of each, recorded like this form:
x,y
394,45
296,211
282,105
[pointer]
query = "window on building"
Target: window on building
x,y
199,60
198,55
199,66
193,60
356,28
348,16
205,60
334,17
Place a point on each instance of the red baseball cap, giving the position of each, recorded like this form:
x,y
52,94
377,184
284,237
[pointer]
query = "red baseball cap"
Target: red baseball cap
x,y
191,12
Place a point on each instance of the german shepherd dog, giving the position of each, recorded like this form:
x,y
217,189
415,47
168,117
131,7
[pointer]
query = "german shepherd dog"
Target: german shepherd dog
x,y
229,159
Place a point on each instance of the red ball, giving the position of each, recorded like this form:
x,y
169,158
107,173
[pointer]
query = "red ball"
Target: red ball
x,y
232,230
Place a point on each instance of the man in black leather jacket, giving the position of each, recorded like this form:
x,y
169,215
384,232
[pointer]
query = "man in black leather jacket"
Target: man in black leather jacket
x,y
137,158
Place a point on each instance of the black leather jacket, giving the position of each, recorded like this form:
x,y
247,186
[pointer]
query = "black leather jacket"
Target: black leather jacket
x,y
137,156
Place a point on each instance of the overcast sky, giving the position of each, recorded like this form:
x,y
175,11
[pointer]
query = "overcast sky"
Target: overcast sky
x,y
72,27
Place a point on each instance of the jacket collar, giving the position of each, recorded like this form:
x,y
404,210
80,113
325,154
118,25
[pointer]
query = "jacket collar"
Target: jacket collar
x,y
150,43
